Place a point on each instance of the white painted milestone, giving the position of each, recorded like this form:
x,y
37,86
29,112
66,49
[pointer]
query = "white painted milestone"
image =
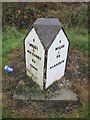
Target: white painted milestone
x,y
57,56
34,54
46,49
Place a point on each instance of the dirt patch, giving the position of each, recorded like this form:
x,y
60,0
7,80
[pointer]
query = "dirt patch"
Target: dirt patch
x,y
19,89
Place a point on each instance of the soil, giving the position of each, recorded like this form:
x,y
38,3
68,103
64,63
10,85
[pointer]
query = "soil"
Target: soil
x,y
25,99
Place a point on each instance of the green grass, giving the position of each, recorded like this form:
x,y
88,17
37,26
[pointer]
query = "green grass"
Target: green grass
x,y
83,113
11,39
6,113
0,111
78,38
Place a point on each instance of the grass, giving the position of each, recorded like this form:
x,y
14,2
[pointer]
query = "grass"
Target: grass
x,y
0,111
5,113
11,39
78,38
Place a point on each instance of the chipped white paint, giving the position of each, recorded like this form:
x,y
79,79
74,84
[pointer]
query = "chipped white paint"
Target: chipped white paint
x,y
55,63
34,54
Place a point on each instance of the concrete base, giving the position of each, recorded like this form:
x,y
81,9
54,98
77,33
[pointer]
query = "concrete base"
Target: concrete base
x,y
65,95
60,90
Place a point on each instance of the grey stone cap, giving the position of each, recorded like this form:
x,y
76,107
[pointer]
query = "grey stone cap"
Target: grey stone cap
x,y
47,21
47,29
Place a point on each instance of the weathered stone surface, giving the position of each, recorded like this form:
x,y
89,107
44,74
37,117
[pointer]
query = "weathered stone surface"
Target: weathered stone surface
x,y
65,94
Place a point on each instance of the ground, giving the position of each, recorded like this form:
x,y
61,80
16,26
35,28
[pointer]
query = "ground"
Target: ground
x,y
20,92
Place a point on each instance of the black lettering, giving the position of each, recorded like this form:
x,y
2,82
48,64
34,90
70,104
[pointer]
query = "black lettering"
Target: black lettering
x,y
33,75
33,40
60,41
56,64
33,46
59,47
38,57
33,61
58,56
28,51
34,67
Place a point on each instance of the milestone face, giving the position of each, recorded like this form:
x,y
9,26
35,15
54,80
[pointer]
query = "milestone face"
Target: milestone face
x,y
34,53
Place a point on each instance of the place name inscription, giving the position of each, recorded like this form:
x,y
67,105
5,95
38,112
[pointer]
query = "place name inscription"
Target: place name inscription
x,y
56,64
38,57
34,67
